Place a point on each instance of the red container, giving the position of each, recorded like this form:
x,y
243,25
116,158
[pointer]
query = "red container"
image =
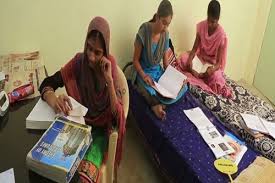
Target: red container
x,y
21,92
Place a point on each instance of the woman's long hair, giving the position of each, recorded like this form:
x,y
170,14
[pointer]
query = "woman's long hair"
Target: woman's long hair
x,y
164,10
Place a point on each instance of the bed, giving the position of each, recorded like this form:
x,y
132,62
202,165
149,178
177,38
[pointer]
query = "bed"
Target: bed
x,y
177,147
228,111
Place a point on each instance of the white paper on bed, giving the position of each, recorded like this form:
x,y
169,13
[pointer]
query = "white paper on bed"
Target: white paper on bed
x,y
170,83
259,124
254,122
198,118
270,126
198,66
209,133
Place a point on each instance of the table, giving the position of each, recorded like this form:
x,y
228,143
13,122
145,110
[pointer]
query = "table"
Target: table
x,y
16,141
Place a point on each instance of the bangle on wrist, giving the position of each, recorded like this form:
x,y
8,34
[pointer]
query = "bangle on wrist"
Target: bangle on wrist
x,y
46,90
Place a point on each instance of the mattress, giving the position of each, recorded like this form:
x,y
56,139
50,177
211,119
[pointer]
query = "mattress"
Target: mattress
x,y
178,148
229,110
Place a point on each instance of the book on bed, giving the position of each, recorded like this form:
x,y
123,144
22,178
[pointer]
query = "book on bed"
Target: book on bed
x,y
170,83
60,149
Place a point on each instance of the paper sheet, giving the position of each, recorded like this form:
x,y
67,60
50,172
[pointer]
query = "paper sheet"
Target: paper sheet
x,y
198,118
254,122
170,83
209,133
43,112
270,126
198,66
78,119
163,91
172,79
7,176
78,109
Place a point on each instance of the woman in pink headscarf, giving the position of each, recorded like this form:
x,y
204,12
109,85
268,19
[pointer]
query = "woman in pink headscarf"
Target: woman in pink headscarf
x,y
210,47
90,78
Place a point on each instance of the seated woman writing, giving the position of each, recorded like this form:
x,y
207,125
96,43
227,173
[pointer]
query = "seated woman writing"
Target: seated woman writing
x,y
151,45
91,79
211,48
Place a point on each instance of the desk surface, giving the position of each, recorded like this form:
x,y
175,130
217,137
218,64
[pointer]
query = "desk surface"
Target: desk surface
x,y
16,141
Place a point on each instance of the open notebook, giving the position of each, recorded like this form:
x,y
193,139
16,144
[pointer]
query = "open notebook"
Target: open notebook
x,y
170,83
259,124
198,66
43,115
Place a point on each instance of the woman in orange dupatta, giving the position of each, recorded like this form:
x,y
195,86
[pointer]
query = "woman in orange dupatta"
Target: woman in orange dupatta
x,y
91,79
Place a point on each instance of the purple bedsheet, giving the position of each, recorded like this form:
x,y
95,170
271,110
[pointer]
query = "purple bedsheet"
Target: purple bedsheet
x,y
176,143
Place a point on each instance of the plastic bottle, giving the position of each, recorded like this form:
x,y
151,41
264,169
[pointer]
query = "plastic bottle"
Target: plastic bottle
x,y
21,92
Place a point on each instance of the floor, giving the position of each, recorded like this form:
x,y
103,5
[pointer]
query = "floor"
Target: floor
x,y
137,165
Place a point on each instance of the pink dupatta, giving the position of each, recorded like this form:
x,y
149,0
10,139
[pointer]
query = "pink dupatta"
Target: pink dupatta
x,y
208,51
209,45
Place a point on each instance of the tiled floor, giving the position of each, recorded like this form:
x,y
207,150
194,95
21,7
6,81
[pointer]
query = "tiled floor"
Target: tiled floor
x,y
137,165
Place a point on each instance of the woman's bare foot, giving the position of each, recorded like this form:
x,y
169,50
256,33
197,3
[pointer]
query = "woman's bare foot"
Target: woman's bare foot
x,y
159,111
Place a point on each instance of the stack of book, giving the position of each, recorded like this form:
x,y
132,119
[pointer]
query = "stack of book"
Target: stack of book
x,y
61,148
43,115
59,151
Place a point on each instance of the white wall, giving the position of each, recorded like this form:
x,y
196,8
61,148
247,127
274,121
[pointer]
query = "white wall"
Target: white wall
x,y
265,69
58,28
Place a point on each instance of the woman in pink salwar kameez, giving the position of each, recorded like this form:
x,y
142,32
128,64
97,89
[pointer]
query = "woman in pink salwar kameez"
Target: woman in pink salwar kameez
x,y
210,47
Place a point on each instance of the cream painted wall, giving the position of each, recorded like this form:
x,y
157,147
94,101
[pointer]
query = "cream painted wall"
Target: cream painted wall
x,y
257,41
58,28
264,77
